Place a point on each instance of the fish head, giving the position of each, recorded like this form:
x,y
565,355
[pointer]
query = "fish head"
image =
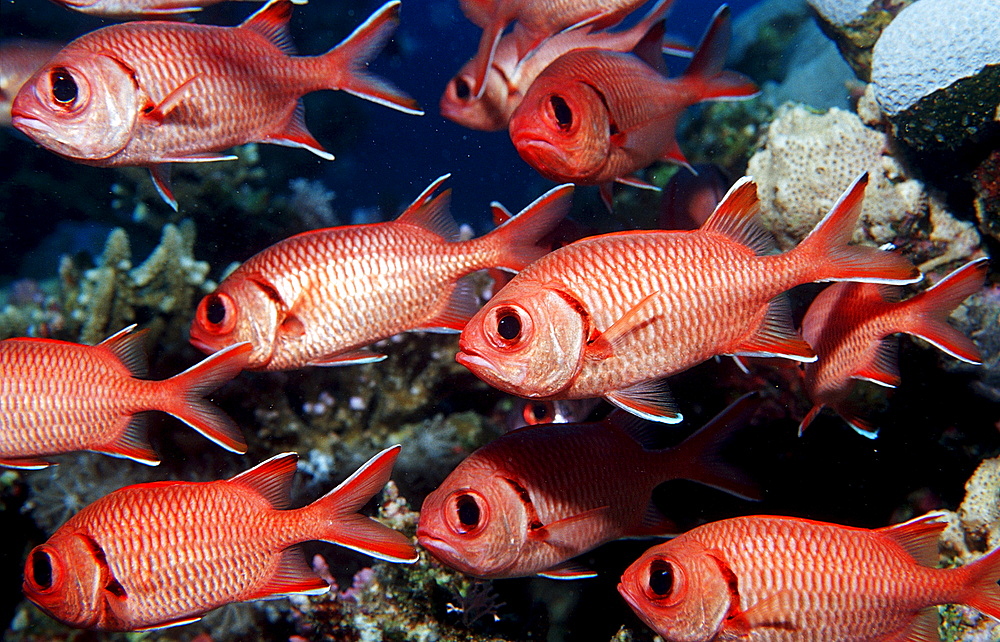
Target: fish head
x,y
528,340
240,309
681,589
68,577
562,129
80,105
476,523
486,113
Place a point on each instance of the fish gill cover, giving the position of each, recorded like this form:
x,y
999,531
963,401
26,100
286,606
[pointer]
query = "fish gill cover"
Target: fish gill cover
x,y
89,250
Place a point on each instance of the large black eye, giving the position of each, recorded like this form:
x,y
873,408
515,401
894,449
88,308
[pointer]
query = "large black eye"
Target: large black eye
x,y
537,412
215,310
41,570
509,326
562,112
468,511
63,86
661,578
462,89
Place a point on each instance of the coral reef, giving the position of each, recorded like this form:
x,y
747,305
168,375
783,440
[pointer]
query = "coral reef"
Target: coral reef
x,y
92,302
807,160
856,25
972,532
936,71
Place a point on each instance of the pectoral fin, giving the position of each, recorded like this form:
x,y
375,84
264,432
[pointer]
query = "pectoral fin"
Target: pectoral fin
x,y
565,533
159,112
642,314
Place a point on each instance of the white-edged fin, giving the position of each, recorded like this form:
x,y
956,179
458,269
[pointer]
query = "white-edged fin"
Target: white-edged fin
x,y
883,369
808,419
161,181
635,181
291,577
736,217
128,347
434,214
649,399
500,213
859,425
568,570
919,536
26,463
169,625
294,133
271,21
775,337
271,479
206,157
353,358
133,442
462,305
428,192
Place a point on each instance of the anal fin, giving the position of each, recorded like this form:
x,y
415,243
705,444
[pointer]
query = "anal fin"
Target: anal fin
x,y
132,443
775,337
568,570
292,577
650,400
353,358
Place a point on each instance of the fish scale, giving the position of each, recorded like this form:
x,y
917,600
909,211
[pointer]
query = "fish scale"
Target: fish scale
x,y
782,579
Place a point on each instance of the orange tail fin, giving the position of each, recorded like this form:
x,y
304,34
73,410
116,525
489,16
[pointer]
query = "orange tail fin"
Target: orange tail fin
x,y
346,63
515,242
343,524
830,258
191,385
705,72
930,309
983,591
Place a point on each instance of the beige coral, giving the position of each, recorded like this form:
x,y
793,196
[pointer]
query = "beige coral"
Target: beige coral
x,y
808,159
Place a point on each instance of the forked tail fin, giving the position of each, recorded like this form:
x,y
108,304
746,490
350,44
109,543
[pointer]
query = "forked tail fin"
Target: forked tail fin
x,y
705,72
983,589
929,311
343,524
514,244
346,63
829,257
190,386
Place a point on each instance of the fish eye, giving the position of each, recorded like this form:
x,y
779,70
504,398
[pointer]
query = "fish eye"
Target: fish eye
x,y
661,578
468,511
217,313
561,112
41,570
64,89
509,326
537,412
462,89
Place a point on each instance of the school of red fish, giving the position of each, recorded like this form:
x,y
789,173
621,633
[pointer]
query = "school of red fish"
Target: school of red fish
x,y
586,101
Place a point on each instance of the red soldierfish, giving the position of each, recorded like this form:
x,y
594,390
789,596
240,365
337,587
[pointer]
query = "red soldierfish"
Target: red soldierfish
x,y
58,397
612,315
509,77
163,554
154,93
20,58
688,199
320,297
536,497
538,20
781,579
847,326
594,117
131,8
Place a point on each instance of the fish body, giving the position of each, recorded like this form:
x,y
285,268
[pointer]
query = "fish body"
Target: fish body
x,y
595,116
165,553
320,297
150,93
538,20
536,497
58,397
20,58
848,323
509,77
612,315
689,199
132,8
781,579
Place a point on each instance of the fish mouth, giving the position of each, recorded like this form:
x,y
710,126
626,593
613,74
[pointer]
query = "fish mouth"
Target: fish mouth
x,y
473,361
631,599
438,547
24,122
201,345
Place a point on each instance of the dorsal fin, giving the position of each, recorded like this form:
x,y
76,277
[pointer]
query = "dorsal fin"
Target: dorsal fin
x,y
919,537
272,479
271,21
432,213
127,346
736,217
